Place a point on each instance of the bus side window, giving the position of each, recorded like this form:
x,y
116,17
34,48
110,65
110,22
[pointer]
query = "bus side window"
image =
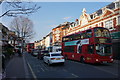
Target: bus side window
x,y
82,36
65,39
90,49
88,33
69,49
76,37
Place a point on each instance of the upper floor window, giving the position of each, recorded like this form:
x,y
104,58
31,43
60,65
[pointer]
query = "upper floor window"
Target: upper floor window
x,y
109,24
117,4
118,20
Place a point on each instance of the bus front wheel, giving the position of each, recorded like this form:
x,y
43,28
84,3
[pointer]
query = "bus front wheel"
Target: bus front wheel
x,y
82,60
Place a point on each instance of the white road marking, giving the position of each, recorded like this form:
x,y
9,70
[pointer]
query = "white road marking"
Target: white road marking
x,y
70,73
43,66
96,68
34,76
75,75
42,69
25,68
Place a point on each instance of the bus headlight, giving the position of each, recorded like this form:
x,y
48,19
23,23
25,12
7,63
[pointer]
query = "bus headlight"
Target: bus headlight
x,y
111,59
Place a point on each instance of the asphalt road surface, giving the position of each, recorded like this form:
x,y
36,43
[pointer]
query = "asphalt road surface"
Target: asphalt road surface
x,y
72,69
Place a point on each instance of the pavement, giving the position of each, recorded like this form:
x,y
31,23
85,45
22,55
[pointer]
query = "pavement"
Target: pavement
x,y
17,68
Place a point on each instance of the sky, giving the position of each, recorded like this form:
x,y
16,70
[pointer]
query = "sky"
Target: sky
x,y
51,14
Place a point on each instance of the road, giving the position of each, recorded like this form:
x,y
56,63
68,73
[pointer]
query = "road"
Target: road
x,y
71,69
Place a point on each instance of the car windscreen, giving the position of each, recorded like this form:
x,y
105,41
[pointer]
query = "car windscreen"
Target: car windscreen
x,y
55,54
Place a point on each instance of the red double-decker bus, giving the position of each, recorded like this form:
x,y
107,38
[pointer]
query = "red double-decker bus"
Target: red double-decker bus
x,y
30,47
90,46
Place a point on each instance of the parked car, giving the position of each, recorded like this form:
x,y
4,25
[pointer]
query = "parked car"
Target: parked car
x,y
42,53
35,52
53,57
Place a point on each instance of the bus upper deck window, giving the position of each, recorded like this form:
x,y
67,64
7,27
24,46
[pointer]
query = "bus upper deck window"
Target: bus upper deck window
x,y
88,33
101,32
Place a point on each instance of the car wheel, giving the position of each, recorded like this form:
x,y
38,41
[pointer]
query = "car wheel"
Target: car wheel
x,y
49,63
82,60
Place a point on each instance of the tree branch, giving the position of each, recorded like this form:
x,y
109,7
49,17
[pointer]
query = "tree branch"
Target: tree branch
x,y
18,8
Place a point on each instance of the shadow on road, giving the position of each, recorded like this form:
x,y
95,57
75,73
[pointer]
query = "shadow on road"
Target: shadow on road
x,y
101,64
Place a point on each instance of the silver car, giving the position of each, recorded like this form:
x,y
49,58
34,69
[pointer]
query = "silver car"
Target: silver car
x,y
53,57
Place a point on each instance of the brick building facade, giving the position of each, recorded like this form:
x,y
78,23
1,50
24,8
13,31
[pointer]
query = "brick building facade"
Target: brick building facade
x,y
58,33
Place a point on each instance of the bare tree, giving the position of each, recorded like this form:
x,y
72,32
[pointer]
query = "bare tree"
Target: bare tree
x,y
18,7
23,27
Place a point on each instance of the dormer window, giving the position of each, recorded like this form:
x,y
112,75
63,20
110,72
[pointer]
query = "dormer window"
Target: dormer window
x,y
95,15
111,6
99,12
74,24
91,16
71,25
